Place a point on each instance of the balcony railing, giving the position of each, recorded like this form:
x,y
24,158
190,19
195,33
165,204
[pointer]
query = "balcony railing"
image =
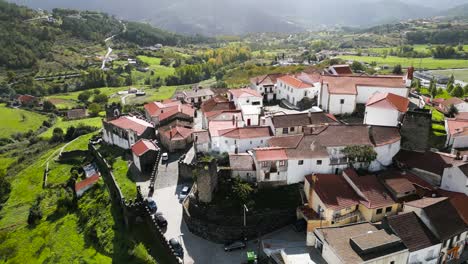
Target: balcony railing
x,y
347,216
338,161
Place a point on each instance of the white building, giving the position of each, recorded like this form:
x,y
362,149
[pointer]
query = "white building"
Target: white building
x,y
126,131
144,155
461,105
385,109
457,133
423,246
197,96
319,150
245,96
266,85
240,139
439,216
294,90
455,179
340,94
251,115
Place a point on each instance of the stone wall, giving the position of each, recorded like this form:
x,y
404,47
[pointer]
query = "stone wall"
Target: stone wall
x,y
415,130
265,223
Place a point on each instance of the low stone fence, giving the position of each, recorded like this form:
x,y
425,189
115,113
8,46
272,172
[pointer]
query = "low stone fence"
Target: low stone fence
x,y
67,155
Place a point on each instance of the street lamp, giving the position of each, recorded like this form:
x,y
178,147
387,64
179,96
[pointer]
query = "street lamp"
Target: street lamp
x,y
245,210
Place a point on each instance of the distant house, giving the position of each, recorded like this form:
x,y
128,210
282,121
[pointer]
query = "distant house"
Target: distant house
x,y
77,113
26,100
201,140
266,85
144,153
343,69
245,96
92,176
214,109
242,166
197,96
296,123
423,246
457,132
126,131
445,223
293,89
461,105
271,165
175,136
359,243
162,113
385,109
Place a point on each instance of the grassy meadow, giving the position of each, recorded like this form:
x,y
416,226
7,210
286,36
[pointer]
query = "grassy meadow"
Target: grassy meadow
x,y
426,63
461,75
18,121
65,124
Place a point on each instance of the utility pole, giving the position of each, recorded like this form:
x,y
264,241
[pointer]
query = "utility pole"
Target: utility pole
x,y
245,211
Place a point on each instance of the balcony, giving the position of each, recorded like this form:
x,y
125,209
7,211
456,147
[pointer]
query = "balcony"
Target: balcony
x,y
341,218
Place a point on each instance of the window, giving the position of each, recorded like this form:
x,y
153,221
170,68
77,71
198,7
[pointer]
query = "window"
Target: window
x,y
392,262
267,176
388,209
319,162
282,163
300,162
264,163
247,101
341,101
285,130
250,142
305,93
225,141
261,141
291,129
379,211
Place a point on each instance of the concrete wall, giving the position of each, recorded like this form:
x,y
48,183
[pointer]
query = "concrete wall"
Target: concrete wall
x,y
453,179
429,255
337,108
294,95
297,172
225,144
379,116
385,156
365,92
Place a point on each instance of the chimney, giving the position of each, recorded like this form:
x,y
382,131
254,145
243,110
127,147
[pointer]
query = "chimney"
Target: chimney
x,y
410,73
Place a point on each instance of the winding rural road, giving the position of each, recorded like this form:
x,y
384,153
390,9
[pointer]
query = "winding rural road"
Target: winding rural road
x,y
109,49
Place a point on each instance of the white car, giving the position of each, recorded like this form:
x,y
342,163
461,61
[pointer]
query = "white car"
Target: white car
x,y
183,194
165,156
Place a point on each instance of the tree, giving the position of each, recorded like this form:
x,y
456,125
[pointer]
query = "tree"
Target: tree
x,y
457,91
453,111
449,87
241,190
5,187
356,66
397,69
94,109
57,135
433,88
465,89
84,96
100,99
361,154
48,106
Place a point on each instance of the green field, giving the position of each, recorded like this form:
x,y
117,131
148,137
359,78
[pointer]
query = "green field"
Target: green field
x,y
418,48
154,64
64,125
426,63
18,121
80,143
152,94
121,174
461,75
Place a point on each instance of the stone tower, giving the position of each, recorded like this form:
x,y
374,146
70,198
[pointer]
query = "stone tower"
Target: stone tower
x,y
207,179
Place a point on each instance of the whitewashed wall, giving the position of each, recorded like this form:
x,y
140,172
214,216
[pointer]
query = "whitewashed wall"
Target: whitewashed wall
x,y
365,92
378,116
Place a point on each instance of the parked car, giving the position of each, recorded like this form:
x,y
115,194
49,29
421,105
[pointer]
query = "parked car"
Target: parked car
x,y
184,192
178,250
152,205
234,246
160,219
165,156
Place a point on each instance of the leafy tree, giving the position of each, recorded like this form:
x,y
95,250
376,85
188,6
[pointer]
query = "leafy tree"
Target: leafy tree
x,y
361,154
465,89
84,96
100,99
453,111
457,91
356,66
241,190
433,88
450,87
57,135
397,69
96,91
48,106
94,109
5,188
35,212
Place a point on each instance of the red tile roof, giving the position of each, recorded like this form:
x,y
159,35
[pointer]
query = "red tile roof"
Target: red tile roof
x,y
26,98
374,193
244,92
270,154
86,182
217,104
142,146
294,82
456,126
131,123
183,108
400,103
459,201
266,80
348,84
434,162
214,127
414,179
425,202
452,101
241,162
342,69
178,133
334,191
384,135
246,132
201,136
168,109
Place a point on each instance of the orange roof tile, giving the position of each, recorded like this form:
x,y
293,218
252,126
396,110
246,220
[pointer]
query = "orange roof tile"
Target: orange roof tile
x,y
400,103
142,146
244,92
86,182
270,154
246,132
334,191
131,123
294,82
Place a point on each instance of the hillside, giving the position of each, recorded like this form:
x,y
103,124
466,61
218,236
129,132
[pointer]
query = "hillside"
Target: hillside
x,y
459,11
